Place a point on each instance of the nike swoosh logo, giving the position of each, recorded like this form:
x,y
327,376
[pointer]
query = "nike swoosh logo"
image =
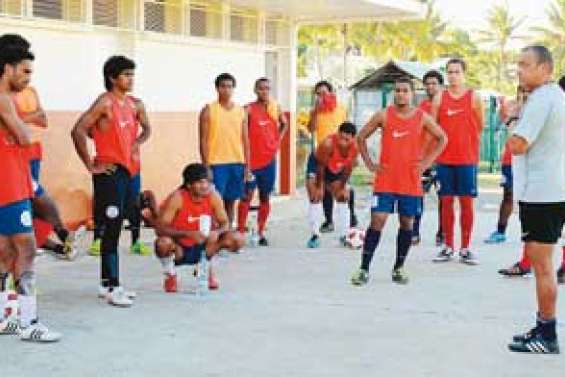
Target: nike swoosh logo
x,y
453,112
397,135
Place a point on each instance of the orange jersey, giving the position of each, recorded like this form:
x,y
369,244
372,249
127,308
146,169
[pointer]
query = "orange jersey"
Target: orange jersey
x,y
15,176
264,135
338,162
27,102
401,153
458,119
188,217
114,143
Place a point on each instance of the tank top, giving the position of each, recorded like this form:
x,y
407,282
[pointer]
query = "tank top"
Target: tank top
x,y
327,123
188,217
338,162
263,134
225,134
26,102
15,177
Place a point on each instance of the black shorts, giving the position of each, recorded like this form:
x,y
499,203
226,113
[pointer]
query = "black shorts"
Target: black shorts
x,y
542,222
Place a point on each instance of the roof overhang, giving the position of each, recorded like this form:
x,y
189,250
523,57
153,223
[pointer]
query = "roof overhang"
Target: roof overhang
x,y
337,11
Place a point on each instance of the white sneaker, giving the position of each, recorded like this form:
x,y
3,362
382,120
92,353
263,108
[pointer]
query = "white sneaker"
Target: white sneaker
x,y
119,298
10,326
73,242
39,333
103,293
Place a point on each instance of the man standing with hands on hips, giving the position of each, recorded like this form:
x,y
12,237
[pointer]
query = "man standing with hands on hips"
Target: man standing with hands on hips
x,y
537,144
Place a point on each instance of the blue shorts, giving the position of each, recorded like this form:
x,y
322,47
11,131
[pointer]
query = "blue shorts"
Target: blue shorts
x,y
264,179
507,179
191,255
229,180
16,218
329,176
35,168
405,205
457,180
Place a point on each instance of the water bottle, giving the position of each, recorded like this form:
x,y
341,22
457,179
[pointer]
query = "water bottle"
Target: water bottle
x,y
203,273
253,237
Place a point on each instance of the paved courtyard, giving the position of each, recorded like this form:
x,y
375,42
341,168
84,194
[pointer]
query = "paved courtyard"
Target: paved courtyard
x,y
288,311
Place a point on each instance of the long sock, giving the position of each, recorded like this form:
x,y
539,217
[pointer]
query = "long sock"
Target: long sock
x,y
351,205
168,264
525,263
342,218
448,219
416,228
403,242
548,328
62,234
372,238
467,219
315,213
134,234
242,213
263,215
328,206
28,309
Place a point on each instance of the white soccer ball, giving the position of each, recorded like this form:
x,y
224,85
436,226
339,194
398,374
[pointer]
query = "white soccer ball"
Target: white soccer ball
x,y
355,238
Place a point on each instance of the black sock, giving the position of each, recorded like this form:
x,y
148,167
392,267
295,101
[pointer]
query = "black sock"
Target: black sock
x,y
403,242
372,238
328,203
62,234
134,235
547,328
416,228
501,228
351,204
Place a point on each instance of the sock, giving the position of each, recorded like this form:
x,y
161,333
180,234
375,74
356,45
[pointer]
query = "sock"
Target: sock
x,y
372,238
62,234
501,228
547,328
416,228
328,207
168,264
448,219
263,215
467,219
525,263
351,205
403,242
134,234
342,218
315,213
28,309
242,213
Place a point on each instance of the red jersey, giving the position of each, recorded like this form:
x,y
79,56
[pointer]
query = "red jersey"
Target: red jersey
x,y
136,153
15,176
506,159
426,106
114,143
338,162
25,103
188,217
264,136
401,153
459,121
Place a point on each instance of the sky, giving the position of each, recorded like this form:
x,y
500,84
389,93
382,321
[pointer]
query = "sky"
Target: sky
x,y
472,14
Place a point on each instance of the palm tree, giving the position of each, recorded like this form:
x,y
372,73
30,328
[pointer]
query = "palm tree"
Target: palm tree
x,y
553,35
502,27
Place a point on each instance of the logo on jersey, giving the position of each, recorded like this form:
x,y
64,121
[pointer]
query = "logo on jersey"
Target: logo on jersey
x,y
192,219
451,113
25,218
397,135
263,123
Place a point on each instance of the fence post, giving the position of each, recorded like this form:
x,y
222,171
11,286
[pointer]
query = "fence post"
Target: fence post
x,y
492,130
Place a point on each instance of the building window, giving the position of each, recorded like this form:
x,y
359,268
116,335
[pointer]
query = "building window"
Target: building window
x,y
52,9
11,7
205,19
164,16
243,26
277,32
105,12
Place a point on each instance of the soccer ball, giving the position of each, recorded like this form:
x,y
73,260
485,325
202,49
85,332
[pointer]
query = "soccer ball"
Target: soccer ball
x,y
355,238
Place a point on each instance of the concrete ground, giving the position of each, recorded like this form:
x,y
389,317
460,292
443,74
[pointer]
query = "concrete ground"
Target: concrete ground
x,y
288,311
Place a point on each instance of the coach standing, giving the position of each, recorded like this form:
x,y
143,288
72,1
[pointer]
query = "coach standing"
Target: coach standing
x,y
538,146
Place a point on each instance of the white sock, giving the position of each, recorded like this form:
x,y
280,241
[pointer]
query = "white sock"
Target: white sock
x,y
315,214
3,302
168,264
342,218
28,309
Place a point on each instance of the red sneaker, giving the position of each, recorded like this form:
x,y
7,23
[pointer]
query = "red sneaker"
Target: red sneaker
x,y
170,283
212,282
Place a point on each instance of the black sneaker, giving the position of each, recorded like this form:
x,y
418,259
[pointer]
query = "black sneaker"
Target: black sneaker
x,y
561,274
535,344
521,338
263,242
439,239
327,227
515,271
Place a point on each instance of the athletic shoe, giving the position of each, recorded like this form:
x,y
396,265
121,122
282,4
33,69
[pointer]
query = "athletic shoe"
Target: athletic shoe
x,y
535,344
416,240
140,248
71,247
95,248
353,222
515,270
496,237
212,282
39,333
119,298
521,338
445,255
314,242
263,241
399,276
103,292
468,257
10,326
561,274
327,227
439,239
170,283
360,277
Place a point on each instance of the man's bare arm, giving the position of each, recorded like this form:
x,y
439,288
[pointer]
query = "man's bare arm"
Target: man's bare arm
x,y
478,108
322,155
220,214
15,126
81,129
204,129
143,120
283,124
